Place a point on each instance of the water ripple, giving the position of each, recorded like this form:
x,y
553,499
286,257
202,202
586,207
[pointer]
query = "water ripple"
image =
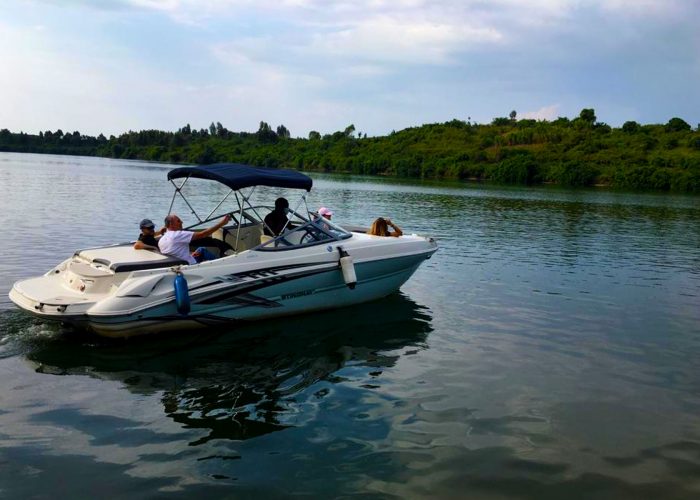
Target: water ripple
x,y
547,350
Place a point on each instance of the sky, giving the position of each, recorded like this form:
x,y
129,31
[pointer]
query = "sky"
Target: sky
x,y
109,66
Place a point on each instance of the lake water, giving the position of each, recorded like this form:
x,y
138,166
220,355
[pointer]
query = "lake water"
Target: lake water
x,y
549,349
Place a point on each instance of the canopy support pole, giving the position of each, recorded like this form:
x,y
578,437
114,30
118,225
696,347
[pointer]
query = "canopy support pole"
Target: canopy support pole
x,y
289,215
217,207
244,200
178,189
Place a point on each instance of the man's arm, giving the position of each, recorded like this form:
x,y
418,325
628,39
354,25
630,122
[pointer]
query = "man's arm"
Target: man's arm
x,y
208,232
140,245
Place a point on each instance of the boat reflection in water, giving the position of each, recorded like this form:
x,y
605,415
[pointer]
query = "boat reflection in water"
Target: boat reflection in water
x,y
252,380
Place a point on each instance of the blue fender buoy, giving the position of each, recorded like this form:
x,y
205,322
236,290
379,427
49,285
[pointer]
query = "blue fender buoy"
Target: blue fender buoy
x,y
182,294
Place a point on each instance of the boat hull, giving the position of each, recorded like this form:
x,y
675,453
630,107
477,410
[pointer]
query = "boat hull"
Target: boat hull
x,y
280,288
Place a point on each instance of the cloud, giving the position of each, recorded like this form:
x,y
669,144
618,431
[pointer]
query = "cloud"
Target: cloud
x,y
545,113
116,65
644,8
402,30
50,87
386,39
107,5
162,5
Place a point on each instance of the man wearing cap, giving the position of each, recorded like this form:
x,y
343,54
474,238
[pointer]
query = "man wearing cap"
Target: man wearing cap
x,y
148,239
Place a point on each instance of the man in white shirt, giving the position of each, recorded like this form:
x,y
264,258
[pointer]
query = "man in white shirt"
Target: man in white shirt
x,y
176,241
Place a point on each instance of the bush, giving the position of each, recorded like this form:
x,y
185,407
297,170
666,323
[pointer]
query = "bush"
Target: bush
x,y
671,143
520,169
513,152
630,127
677,125
487,141
501,121
206,157
694,142
575,173
527,123
648,177
649,143
686,182
660,179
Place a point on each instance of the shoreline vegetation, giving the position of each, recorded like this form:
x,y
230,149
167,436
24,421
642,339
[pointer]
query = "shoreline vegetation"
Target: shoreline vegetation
x,y
567,152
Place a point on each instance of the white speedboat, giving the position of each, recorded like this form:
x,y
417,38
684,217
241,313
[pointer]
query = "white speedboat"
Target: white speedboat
x,y
314,264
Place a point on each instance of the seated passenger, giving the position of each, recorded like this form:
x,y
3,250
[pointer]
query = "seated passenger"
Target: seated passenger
x,y
176,241
326,213
380,227
148,239
276,220
323,213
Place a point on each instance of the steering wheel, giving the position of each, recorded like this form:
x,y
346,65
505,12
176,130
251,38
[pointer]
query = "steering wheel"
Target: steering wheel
x,y
281,239
307,238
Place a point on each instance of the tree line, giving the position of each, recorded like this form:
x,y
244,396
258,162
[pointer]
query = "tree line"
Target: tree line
x,y
569,152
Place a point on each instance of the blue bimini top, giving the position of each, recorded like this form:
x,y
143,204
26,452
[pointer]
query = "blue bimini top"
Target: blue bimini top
x,y
238,176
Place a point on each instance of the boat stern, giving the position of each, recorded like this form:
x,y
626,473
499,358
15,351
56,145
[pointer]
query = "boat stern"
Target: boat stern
x,y
65,293
45,298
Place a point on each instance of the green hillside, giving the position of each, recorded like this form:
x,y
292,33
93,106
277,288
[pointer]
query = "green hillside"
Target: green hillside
x,y
578,152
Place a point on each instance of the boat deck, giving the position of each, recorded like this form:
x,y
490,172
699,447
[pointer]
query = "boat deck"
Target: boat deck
x,y
124,258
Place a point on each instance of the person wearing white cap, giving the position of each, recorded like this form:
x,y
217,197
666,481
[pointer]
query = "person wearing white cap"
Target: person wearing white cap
x,y
326,213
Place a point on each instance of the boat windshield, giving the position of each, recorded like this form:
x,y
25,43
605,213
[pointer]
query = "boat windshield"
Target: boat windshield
x,y
311,232
248,229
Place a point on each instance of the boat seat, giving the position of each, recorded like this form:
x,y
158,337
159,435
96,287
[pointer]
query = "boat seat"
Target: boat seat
x,y
123,267
124,258
248,236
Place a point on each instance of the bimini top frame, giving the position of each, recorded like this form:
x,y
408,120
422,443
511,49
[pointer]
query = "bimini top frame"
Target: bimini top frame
x,y
238,176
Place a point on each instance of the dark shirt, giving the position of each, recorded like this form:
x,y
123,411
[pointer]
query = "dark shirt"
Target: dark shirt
x,y
148,239
275,220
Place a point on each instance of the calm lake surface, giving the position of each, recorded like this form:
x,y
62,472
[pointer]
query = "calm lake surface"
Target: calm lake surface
x,y
549,349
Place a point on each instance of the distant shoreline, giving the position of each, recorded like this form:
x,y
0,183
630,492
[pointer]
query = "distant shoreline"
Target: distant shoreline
x,y
576,153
